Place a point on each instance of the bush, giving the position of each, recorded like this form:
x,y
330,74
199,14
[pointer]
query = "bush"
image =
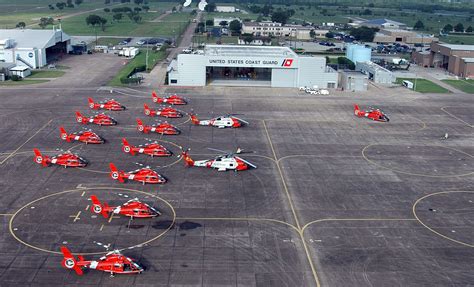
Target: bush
x,y
15,78
130,80
138,69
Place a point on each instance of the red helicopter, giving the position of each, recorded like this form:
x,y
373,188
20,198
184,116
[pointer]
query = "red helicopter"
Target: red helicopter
x,y
221,122
88,137
171,100
224,162
111,105
67,159
98,119
143,175
373,114
162,128
151,149
132,208
167,112
112,262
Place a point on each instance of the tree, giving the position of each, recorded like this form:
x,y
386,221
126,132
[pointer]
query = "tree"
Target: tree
x,y
136,18
235,26
367,12
469,29
45,22
137,9
173,9
211,7
138,2
312,33
60,5
419,25
106,10
146,8
200,27
95,20
329,35
21,25
106,2
69,4
363,33
448,28
117,17
78,2
248,38
51,6
459,27
280,17
209,23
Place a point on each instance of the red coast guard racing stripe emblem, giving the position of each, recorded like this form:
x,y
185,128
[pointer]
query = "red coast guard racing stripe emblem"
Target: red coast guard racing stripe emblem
x,y
287,63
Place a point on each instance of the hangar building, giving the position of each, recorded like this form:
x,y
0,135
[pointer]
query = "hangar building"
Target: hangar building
x,y
270,66
31,47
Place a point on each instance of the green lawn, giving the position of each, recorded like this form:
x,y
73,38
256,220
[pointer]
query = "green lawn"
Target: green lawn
x,y
466,86
139,60
23,82
458,39
172,25
46,74
201,39
424,86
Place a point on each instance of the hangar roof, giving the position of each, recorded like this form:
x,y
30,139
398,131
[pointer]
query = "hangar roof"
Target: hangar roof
x,y
34,38
248,51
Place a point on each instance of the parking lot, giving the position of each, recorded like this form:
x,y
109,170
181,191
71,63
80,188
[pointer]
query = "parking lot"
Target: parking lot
x,y
336,200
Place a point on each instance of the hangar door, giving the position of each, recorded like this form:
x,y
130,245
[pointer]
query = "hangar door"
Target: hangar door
x,y
284,78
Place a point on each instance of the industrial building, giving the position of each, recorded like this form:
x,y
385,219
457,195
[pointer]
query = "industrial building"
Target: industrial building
x,y
218,20
353,81
32,48
226,9
389,36
456,59
268,28
358,53
383,24
268,66
375,73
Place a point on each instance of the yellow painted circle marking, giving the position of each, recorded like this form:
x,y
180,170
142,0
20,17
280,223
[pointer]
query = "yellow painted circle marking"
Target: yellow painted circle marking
x,y
413,173
12,219
431,229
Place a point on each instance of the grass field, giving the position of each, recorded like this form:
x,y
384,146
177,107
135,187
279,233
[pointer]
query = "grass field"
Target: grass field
x,y
46,74
466,86
458,39
22,82
139,60
424,86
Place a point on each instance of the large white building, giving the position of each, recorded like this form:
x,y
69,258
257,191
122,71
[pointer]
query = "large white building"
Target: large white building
x,y
268,28
226,9
31,47
268,66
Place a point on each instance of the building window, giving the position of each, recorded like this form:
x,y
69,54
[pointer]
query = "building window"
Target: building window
x,y
331,85
174,81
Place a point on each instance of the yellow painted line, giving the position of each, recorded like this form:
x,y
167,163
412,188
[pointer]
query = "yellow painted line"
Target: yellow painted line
x,y
464,122
76,217
355,219
101,227
413,173
37,132
431,229
82,195
290,201
10,224
239,219
87,207
6,214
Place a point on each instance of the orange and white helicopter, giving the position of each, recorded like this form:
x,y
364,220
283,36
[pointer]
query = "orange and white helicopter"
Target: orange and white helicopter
x,y
152,149
166,112
229,121
161,128
373,114
224,162
171,100
143,175
112,262
66,159
111,105
98,119
87,137
132,208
